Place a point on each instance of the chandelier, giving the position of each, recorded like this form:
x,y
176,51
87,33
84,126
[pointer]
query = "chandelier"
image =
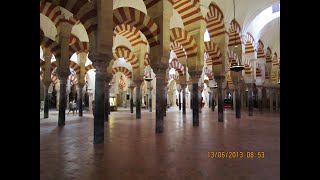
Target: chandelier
x,y
238,65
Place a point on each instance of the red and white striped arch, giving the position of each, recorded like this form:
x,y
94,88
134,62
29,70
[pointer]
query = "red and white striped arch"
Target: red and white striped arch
x,y
228,78
209,73
275,62
73,65
78,47
258,70
54,13
72,77
214,53
150,3
51,11
53,46
233,59
82,10
273,77
185,39
215,22
177,66
138,19
260,53
178,49
122,47
247,66
174,77
189,10
128,56
87,68
249,43
234,34
130,32
268,55
267,75
121,83
123,70
146,59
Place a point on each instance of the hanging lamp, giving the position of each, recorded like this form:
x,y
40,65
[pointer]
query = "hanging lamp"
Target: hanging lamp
x,y
236,67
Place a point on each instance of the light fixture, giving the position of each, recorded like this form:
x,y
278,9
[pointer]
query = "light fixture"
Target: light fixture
x,y
236,66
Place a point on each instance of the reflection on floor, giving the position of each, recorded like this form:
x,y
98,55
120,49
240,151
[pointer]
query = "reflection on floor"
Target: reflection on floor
x,y
132,150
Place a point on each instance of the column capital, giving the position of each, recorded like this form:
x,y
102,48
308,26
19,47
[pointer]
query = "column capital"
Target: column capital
x,y
80,85
46,83
138,82
220,79
195,76
65,29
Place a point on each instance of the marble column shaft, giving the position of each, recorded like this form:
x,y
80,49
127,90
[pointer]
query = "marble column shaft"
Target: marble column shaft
x,y
179,100
238,101
138,99
212,99
195,104
250,99
259,98
267,98
99,62
165,93
159,104
46,99
131,99
79,96
184,100
106,100
62,101
220,80
150,99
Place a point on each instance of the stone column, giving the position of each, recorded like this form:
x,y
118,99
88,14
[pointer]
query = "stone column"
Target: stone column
x,y
271,99
267,98
238,100
250,99
277,98
79,95
106,99
260,98
220,80
62,98
179,100
46,85
165,99
68,94
183,99
63,67
195,96
160,74
212,99
200,89
47,55
150,98
99,62
131,98
138,98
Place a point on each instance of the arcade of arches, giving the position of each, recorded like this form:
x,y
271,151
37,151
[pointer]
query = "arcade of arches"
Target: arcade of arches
x,y
147,89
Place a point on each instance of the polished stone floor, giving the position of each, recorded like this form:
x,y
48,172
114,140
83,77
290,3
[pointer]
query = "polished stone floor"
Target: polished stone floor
x,y
132,150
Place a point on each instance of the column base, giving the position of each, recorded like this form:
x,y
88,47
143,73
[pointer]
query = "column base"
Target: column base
x,y
159,129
